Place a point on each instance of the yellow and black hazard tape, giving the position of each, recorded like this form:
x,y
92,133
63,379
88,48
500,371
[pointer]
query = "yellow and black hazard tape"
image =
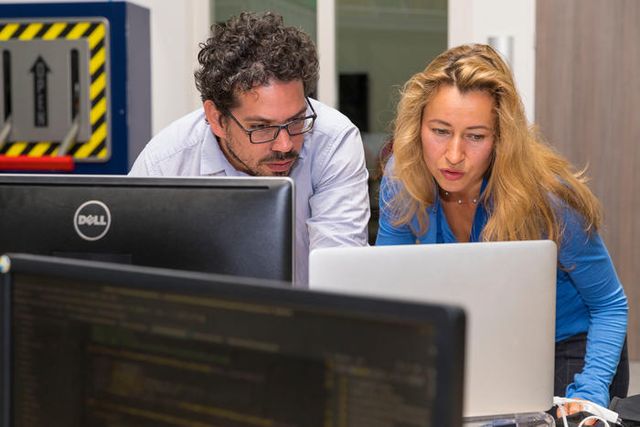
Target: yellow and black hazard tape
x,y
97,147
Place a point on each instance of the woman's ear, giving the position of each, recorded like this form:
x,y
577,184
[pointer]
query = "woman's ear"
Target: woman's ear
x,y
214,118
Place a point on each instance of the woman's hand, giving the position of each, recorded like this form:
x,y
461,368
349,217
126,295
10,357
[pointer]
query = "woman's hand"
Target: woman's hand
x,y
572,408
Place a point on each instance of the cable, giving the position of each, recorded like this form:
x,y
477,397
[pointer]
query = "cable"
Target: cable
x,y
563,414
594,417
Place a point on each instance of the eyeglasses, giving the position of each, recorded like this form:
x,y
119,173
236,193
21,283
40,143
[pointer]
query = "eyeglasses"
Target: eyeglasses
x,y
266,134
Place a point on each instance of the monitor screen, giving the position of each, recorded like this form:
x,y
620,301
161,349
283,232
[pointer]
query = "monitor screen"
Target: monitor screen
x,y
239,226
97,344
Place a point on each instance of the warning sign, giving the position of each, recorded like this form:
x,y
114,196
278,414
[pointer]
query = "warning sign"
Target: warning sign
x,y
55,88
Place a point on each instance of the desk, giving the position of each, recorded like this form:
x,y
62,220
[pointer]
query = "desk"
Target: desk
x,y
537,419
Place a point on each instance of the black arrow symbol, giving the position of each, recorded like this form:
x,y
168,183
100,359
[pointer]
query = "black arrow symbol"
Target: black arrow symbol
x,y
40,91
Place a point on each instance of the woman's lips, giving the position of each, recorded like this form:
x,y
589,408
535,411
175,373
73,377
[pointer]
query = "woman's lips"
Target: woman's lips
x,y
452,175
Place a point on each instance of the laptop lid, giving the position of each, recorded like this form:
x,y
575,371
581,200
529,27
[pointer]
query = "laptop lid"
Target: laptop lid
x,y
507,290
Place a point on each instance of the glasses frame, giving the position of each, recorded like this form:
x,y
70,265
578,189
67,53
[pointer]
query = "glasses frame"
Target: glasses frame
x,y
284,126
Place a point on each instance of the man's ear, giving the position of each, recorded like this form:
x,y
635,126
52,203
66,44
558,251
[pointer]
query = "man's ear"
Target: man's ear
x,y
214,117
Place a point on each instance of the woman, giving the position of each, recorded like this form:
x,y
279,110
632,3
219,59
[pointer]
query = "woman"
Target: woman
x,y
466,167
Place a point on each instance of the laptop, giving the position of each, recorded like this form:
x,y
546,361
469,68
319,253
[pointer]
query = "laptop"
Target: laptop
x,y
507,290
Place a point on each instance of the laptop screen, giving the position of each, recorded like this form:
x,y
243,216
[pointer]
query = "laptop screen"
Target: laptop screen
x,y
93,344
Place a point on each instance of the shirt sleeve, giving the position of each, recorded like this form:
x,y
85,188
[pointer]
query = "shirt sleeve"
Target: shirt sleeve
x,y
591,271
340,202
142,167
388,233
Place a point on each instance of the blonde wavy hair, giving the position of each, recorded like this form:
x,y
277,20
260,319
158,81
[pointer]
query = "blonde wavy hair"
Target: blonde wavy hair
x,y
525,175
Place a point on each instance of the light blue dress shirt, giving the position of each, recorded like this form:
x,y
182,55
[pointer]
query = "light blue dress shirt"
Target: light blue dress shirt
x,y
331,192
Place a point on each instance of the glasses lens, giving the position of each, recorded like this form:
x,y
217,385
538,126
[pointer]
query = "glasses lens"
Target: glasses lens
x,y
300,126
267,134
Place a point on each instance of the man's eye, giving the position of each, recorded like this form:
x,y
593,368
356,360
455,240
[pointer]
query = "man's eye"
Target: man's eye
x,y
296,124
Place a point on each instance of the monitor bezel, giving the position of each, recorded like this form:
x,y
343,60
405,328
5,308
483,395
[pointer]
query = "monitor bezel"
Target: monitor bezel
x,y
449,320
92,181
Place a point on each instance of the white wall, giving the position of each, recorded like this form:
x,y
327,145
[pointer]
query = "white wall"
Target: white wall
x,y
176,29
326,27
474,21
178,26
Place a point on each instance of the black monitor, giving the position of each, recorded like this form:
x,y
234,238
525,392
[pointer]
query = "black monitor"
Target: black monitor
x,y
98,344
239,226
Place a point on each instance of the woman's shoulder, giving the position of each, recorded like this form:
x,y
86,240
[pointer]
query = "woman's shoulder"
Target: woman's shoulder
x,y
577,235
567,216
390,185
389,164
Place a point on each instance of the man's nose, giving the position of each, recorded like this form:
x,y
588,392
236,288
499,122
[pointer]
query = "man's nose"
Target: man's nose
x,y
283,142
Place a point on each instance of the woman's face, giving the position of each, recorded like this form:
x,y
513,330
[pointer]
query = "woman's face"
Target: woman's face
x,y
457,139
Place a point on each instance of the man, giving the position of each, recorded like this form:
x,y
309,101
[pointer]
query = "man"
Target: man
x,y
255,79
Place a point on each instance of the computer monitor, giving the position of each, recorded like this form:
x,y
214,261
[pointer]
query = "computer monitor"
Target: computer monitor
x,y
240,226
507,290
100,344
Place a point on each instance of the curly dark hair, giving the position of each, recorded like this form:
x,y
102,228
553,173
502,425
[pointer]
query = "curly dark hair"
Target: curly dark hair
x,y
250,50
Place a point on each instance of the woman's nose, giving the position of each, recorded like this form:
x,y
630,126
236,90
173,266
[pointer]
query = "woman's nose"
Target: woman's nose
x,y
455,150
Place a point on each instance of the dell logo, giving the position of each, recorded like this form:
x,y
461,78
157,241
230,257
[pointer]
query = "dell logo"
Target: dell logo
x,y
92,220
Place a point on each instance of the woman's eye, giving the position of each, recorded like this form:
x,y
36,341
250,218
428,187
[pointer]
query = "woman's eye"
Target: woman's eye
x,y
440,132
475,137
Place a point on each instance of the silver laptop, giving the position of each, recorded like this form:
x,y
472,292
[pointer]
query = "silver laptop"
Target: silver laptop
x,y
507,290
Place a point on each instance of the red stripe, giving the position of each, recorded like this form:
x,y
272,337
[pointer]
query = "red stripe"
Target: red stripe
x,y
27,163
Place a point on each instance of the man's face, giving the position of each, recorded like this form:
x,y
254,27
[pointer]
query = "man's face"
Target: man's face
x,y
275,104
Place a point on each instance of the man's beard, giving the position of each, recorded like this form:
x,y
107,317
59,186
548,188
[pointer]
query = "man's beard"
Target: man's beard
x,y
276,156
280,156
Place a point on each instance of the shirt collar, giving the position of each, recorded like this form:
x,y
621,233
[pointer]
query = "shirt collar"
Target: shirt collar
x,y
213,161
